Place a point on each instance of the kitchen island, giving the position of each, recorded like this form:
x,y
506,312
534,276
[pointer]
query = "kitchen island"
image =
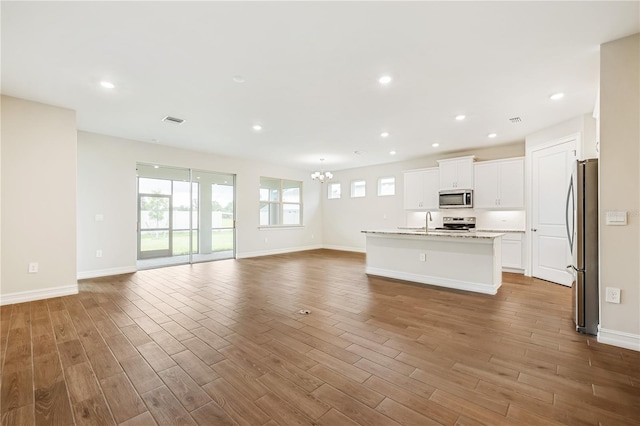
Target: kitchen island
x,y
470,261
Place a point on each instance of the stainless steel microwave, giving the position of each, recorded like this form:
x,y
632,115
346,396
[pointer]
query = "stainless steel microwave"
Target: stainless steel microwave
x,y
456,199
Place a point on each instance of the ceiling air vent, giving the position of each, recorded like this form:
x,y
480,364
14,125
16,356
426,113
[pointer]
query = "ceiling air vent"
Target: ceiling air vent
x,y
515,119
170,119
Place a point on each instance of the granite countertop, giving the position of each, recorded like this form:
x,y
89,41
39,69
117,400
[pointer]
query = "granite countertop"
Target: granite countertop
x,y
421,233
503,231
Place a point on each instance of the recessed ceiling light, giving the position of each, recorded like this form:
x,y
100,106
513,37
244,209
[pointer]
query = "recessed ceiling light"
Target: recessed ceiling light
x,y
384,134
107,84
460,117
435,145
556,96
385,79
156,167
492,135
257,127
238,79
392,153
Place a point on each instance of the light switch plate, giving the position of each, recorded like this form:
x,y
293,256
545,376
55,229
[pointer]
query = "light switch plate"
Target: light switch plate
x,y
613,295
618,218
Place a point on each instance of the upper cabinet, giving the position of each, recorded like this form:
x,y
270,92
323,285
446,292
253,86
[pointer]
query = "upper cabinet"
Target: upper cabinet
x,y
456,173
421,189
499,184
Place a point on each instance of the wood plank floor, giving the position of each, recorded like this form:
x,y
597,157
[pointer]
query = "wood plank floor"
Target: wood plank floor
x,y
223,344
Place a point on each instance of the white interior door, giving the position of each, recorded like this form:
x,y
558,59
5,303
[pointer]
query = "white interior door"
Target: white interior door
x,y
550,175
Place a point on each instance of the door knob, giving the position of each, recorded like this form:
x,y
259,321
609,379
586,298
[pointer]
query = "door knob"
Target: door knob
x,y
534,229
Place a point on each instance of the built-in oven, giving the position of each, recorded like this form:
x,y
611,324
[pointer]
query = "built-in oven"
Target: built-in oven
x,y
456,199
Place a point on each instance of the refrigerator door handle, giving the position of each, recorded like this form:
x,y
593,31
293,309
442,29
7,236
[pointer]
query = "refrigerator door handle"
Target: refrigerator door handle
x,y
570,231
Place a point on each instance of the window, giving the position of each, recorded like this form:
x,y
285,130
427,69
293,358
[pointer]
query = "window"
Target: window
x,y
280,202
333,190
386,186
358,188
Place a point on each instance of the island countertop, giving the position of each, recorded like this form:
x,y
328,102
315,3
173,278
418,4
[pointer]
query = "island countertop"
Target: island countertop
x,y
470,261
435,233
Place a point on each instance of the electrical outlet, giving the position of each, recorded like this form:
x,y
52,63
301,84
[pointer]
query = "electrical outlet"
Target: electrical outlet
x,y
98,253
613,295
423,257
33,267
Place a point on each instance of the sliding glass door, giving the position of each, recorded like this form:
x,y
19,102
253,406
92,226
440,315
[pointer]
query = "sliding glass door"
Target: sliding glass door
x,y
154,238
184,216
217,215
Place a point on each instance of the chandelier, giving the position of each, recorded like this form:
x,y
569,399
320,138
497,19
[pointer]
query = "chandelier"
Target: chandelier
x,y
321,176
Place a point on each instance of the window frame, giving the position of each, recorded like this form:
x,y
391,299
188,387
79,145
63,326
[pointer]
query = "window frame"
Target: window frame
x,y
380,179
281,203
329,184
353,182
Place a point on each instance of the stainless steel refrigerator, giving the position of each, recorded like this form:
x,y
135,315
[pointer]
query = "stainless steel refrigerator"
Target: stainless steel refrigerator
x,y
582,232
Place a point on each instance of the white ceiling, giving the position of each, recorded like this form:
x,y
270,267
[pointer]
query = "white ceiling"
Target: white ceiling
x,y
311,71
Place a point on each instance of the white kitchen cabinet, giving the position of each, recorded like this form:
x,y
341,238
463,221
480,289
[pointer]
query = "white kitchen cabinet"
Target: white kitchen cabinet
x,y
512,252
421,190
456,173
499,184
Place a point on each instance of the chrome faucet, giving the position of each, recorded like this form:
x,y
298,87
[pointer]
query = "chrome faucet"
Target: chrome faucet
x,y
427,219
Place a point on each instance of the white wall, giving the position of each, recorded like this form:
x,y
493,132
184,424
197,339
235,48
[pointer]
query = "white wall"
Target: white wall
x,y
107,186
38,200
619,182
584,124
0,198
344,218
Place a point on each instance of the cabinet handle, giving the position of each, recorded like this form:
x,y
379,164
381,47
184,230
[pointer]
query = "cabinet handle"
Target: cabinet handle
x,y
534,229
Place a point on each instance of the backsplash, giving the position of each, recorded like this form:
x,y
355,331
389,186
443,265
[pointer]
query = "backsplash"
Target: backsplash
x,y
493,220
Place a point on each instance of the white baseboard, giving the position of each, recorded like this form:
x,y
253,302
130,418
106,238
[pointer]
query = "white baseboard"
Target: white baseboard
x,y
345,248
513,270
276,251
437,281
619,338
83,275
31,295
